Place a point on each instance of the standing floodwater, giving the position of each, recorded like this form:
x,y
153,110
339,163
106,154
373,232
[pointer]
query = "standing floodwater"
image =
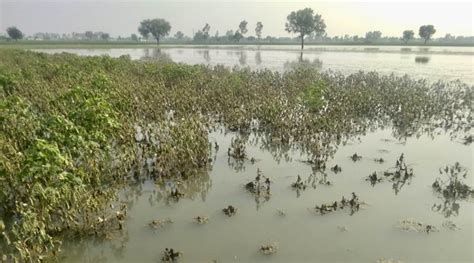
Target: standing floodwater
x,y
288,218
432,63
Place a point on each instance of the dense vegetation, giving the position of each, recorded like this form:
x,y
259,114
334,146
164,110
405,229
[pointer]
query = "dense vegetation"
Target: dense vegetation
x,y
72,128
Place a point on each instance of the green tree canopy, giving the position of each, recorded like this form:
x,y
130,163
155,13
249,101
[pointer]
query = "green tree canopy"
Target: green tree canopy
x,y
237,36
408,35
14,33
373,35
89,34
179,35
243,27
105,36
305,22
426,32
258,30
158,28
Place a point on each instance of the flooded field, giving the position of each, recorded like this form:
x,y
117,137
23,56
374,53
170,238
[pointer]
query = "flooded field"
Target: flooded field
x,y
287,216
119,160
432,63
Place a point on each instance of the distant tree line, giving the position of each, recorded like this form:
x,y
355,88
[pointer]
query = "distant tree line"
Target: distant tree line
x,y
305,24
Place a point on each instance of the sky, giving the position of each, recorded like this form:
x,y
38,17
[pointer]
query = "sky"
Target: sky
x,y
341,17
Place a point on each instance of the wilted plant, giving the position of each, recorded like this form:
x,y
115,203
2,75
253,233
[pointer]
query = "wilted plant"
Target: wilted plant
x,y
68,129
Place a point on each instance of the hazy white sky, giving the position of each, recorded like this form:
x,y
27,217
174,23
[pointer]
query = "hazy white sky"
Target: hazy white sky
x,y
342,17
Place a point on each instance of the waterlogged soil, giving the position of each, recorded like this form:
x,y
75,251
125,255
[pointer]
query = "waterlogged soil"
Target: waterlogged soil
x,y
431,63
287,217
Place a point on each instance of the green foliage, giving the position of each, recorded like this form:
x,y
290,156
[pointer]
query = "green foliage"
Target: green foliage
x,y
158,28
258,30
313,96
243,27
14,33
408,35
426,32
373,35
72,128
305,22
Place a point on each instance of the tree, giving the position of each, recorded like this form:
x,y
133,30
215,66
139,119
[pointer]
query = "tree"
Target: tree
x,y
205,31
304,22
373,35
134,37
14,33
237,36
258,30
449,37
426,32
229,34
179,35
105,36
408,35
243,27
158,28
89,34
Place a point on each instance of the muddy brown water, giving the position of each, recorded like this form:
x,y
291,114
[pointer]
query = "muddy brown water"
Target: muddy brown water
x,y
301,235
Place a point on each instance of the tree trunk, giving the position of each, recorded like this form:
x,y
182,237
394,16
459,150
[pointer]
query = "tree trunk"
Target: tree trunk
x,y
302,41
158,41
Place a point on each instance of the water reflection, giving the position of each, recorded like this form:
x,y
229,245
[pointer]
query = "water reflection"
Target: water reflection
x,y
242,58
450,207
303,63
422,60
451,188
205,54
156,54
258,58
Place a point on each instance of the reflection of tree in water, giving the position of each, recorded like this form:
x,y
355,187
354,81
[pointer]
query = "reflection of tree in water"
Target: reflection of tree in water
x,y
205,54
303,63
153,54
242,57
258,58
422,60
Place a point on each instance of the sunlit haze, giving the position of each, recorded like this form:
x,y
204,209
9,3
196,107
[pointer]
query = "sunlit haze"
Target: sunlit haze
x,y
123,17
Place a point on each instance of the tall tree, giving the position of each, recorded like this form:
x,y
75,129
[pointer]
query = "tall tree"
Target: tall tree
x,y
89,34
179,35
237,36
158,28
105,36
258,30
134,37
230,35
202,34
14,33
373,35
426,32
304,22
205,31
408,35
243,27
